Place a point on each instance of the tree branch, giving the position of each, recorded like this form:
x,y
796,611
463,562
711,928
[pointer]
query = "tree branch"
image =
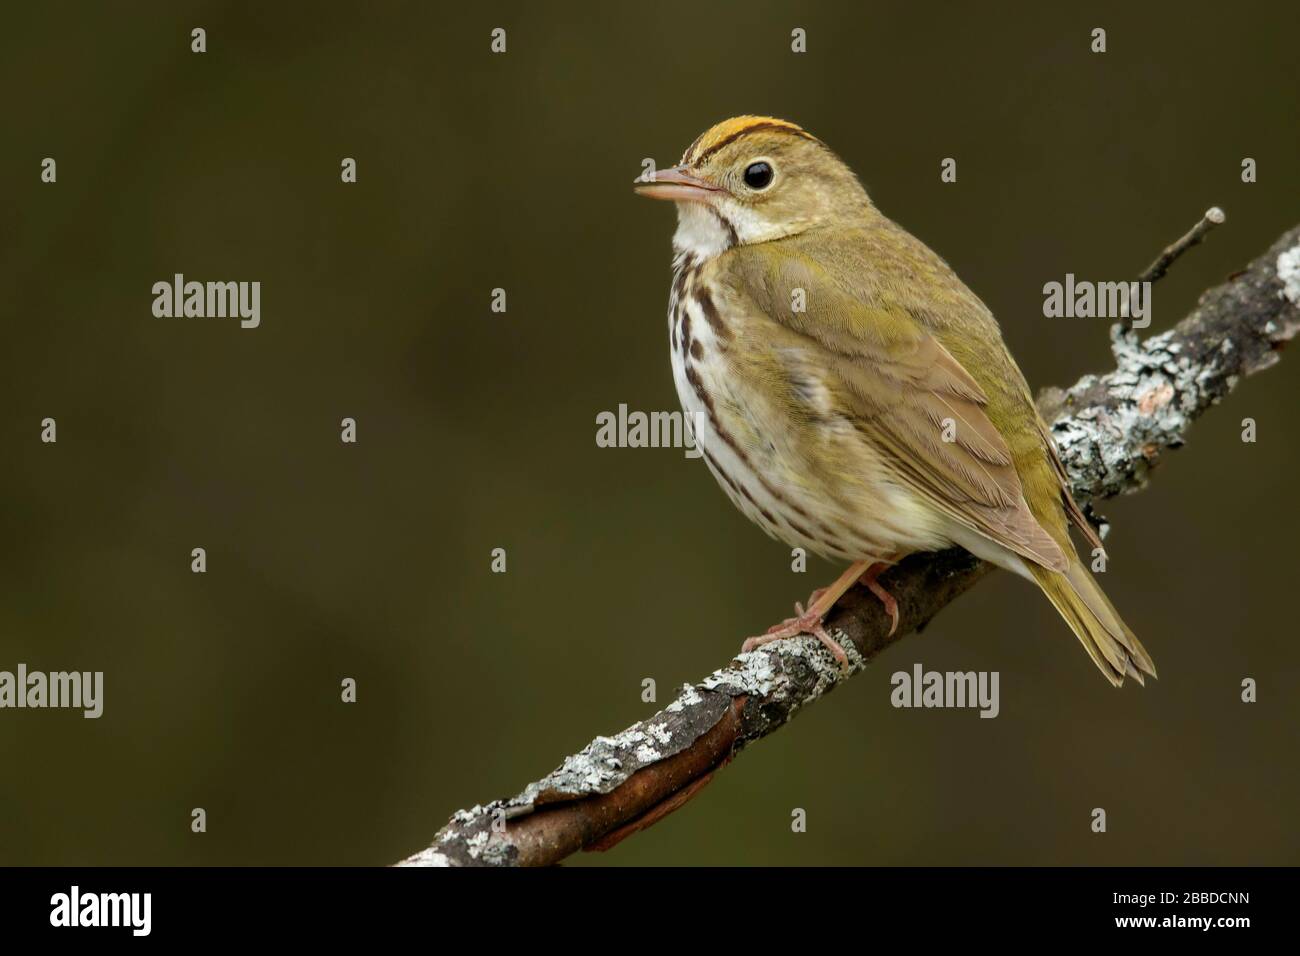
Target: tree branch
x,y
1109,429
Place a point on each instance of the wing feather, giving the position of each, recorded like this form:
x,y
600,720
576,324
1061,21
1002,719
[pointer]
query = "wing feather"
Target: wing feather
x,y
903,392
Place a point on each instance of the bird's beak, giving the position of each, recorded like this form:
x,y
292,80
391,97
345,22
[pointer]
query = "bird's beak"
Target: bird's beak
x,y
679,184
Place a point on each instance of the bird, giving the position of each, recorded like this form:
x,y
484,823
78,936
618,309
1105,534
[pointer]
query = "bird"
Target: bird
x,y
851,395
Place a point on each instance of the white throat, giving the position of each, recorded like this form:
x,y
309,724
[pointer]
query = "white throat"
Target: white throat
x,y
701,232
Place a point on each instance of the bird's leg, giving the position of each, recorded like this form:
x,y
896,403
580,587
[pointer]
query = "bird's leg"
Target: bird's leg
x,y
887,599
810,621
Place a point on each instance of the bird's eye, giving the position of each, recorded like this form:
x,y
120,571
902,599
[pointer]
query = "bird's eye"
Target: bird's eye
x,y
758,175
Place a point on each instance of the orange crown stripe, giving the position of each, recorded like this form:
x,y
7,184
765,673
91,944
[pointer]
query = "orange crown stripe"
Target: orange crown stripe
x,y
728,131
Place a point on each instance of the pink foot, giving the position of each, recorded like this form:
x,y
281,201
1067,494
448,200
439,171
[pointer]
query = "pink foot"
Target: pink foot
x,y
806,622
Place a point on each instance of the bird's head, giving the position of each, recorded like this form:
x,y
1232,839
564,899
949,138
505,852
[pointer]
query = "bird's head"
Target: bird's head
x,y
753,179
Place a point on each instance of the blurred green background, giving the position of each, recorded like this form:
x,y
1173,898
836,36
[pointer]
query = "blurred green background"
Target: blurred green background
x,y
477,430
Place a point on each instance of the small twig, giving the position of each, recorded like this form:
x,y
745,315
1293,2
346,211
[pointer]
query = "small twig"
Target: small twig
x,y
1214,216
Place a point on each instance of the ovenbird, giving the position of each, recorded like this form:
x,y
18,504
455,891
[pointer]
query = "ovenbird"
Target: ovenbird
x,y
852,396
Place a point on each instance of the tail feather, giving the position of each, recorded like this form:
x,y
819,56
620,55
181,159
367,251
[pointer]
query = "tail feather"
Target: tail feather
x,y
1112,646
